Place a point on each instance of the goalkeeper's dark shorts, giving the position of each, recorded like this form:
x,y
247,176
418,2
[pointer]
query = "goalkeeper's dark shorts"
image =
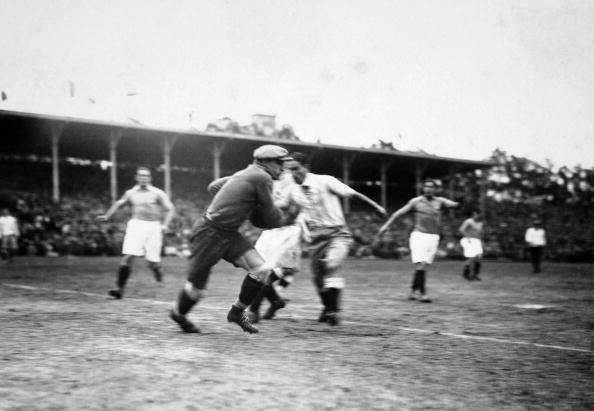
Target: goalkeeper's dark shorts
x,y
208,245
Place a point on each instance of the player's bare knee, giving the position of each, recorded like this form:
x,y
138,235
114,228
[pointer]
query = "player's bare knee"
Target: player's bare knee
x,y
333,282
262,273
127,260
193,292
332,265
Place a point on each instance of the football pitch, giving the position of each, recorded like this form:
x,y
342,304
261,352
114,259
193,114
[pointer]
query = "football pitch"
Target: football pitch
x,y
514,341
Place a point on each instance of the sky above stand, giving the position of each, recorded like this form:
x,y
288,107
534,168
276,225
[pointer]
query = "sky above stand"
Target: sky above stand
x,y
456,78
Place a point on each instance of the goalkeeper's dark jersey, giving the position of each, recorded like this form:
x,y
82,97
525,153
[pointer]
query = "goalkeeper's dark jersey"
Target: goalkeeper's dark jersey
x,y
237,196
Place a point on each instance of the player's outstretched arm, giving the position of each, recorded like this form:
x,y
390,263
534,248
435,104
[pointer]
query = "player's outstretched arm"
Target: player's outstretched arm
x,y
115,206
378,208
401,211
449,203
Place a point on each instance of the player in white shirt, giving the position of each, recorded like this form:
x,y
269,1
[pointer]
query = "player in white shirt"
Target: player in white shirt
x,y
152,211
319,198
472,230
9,234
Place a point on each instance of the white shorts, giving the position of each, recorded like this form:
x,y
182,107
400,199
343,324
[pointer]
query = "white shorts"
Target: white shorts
x,y
473,247
423,247
143,238
281,247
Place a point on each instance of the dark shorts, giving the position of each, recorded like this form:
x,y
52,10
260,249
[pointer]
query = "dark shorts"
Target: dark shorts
x,y
210,244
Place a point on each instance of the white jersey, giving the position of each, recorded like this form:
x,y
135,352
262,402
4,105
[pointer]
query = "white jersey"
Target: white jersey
x,y
536,237
319,197
8,226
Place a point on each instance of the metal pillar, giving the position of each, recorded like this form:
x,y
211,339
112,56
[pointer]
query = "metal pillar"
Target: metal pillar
x,y
217,150
168,144
451,193
483,192
56,132
418,176
347,160
114,138
384,166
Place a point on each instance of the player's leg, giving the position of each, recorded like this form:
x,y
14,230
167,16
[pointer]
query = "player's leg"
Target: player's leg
x,y
537,258
466,267
3,242
417,255
477,266
133,246
123,274
14,248
258,271
152,249
318,269
333,283
477,255
432,242
274,292
419,281
207,246
534,259
7,248
254,310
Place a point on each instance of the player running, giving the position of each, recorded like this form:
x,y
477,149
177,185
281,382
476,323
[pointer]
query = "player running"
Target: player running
x,y
424,239
246,194
152,211
472,230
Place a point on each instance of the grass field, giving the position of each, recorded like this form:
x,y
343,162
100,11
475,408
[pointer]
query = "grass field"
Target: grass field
x,y
514,341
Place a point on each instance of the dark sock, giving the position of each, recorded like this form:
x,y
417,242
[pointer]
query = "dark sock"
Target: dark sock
x,y
123,274
257,301
420,274
324,297
249,290
477,268
184,302
157,271
466,272
419,281
333,295
272,295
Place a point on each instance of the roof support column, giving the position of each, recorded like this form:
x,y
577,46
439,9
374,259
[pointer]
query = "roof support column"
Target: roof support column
x,y
56,131
168,144
217,150
451,189
114,138
418,176
483,192
384,166
347,160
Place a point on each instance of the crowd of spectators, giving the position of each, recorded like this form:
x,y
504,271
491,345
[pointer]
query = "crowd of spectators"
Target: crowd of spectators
x,y
69,227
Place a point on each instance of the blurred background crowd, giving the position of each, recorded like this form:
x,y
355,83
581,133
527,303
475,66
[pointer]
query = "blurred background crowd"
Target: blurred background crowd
x,y
517,191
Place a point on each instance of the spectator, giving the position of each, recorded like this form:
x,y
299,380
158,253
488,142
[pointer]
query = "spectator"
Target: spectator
x,y
9,232
536,239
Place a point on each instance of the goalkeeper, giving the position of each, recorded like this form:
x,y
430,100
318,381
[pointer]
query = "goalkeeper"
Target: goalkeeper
x,y
246,194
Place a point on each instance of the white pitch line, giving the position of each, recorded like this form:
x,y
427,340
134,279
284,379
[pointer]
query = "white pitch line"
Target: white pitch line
x,y
416,330
63,291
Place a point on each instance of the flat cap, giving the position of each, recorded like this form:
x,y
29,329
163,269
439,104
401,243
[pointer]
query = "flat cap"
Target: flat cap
x,y
270,151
